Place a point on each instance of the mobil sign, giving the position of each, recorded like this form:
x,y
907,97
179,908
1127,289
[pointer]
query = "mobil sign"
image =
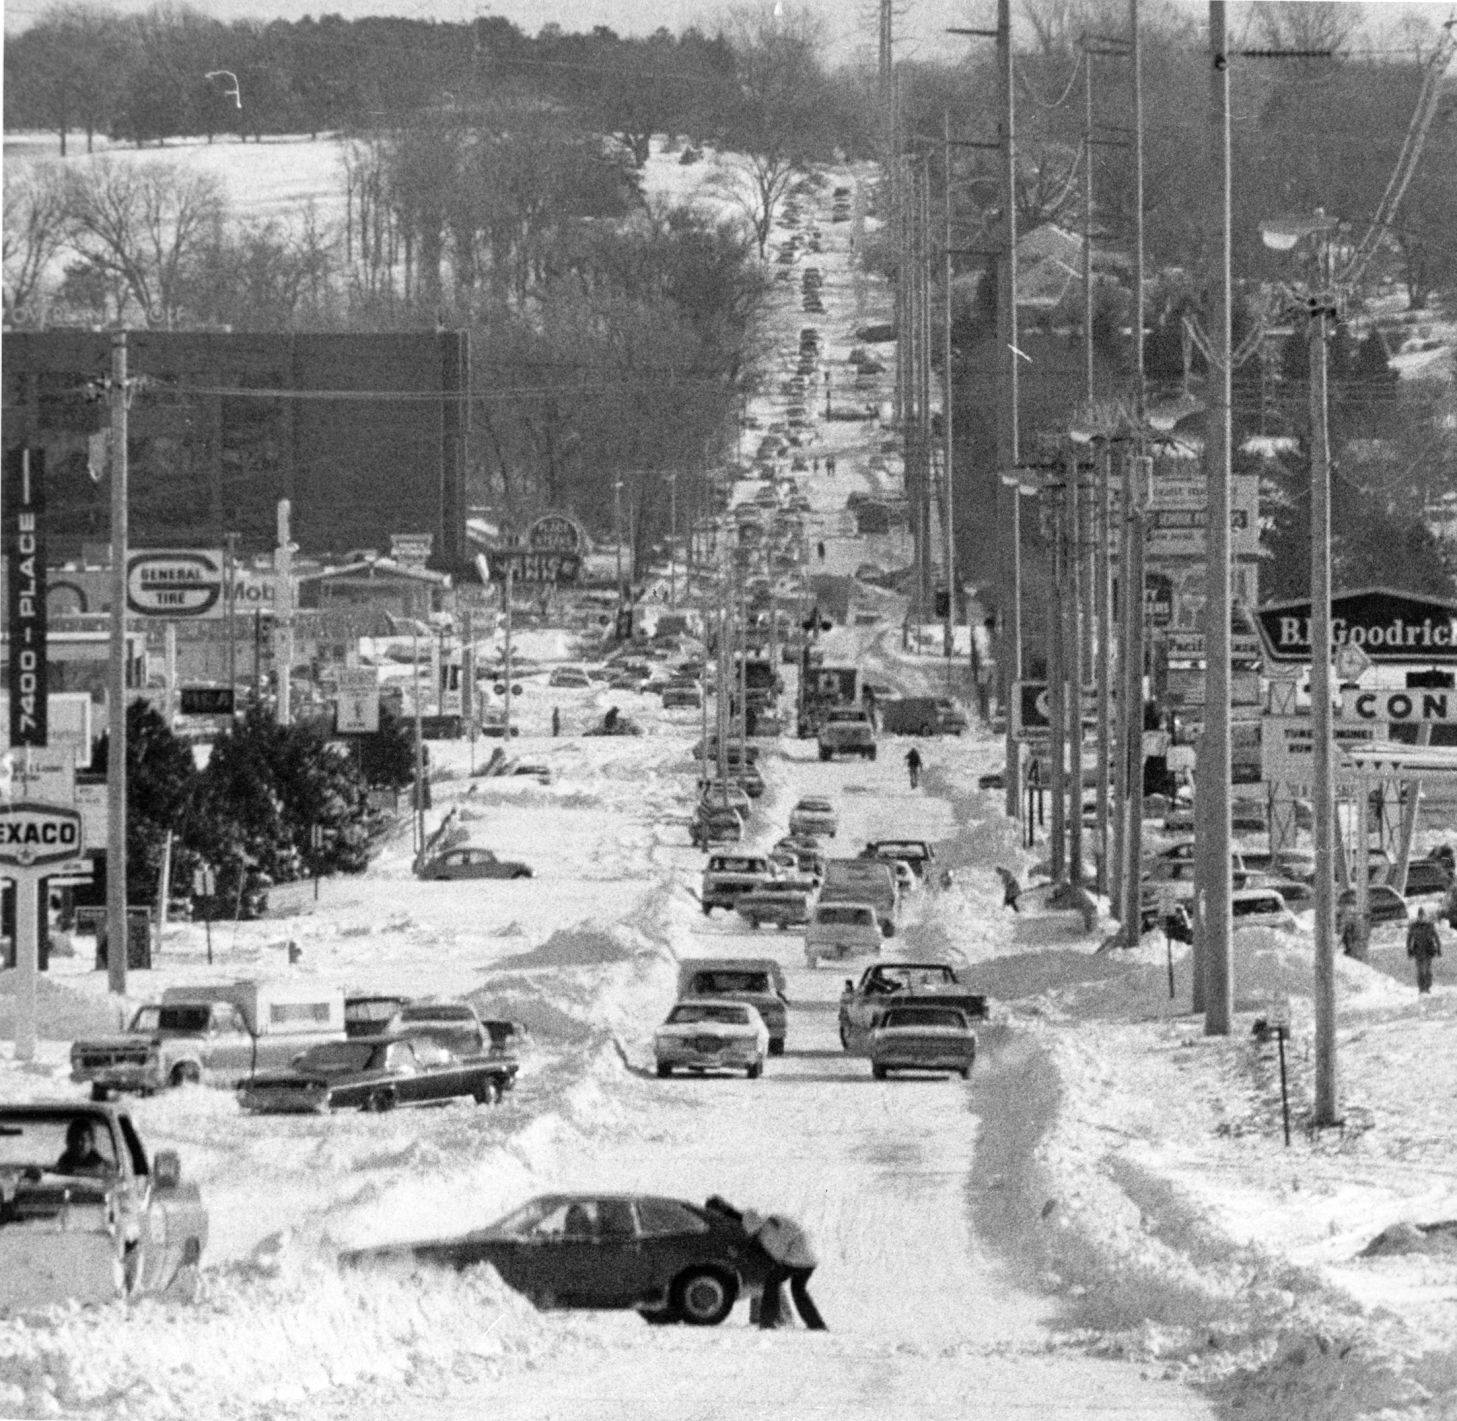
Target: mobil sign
x,y
32,834
1389,626
181,583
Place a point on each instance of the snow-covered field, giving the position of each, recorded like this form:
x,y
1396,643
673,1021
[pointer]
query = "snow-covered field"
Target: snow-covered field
x,y
1105,1221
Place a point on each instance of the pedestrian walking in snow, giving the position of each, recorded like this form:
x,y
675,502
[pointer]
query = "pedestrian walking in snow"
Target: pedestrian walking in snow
x,y
1423,942
792,1261
913,764
1011,889
556,721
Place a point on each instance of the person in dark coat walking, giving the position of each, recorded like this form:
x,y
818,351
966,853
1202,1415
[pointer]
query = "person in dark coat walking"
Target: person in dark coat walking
x,y
792,1261
913,764
1011,889
1423,942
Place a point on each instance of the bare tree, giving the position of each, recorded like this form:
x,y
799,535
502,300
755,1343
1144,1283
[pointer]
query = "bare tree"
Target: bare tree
x,y
774,119
1308,24
142,223
35,232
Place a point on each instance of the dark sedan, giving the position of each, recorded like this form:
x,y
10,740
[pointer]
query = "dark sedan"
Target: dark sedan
x,y
471,862
673,1261
377,1073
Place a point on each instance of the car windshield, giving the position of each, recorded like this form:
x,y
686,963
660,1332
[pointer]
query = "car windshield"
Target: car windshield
x,y
187,1018
737,865
147,1020
693,1012
338,1057
1247,907
40,1140
367,1010
895,849
717,983
920,1017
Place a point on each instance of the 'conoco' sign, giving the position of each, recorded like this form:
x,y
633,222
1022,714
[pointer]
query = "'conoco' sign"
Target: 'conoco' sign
x,y
32,834
1387,625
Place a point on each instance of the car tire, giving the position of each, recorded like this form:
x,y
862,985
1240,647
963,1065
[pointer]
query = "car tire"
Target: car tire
x,y
879,1072
660,1317
824,754
966,1073
379,1102
704,1296
664,1070
185,1073
708,910
776,1046
755,1071
100,1092
487,1093
870,754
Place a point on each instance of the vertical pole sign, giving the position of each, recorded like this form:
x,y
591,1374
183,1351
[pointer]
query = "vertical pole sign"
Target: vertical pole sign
x,y
23,504
25,557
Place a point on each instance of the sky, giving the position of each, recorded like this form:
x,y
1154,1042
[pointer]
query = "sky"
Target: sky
x,y
850,25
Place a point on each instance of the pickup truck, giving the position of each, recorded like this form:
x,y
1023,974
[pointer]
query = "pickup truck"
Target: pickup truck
x,y
846,732
728,877
896,984
916,852
91,1222
214,1035
784,903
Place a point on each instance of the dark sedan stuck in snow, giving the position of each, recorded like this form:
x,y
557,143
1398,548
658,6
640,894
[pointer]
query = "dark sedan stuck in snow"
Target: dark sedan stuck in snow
x,y
672,1261
377,1073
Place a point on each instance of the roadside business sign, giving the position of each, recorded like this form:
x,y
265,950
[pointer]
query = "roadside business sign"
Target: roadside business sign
x,y
532,565
1388,626
184,584
23,506
411,549
1413,707
556,533
1032,709
1287,753
1183,532
357,707
33,835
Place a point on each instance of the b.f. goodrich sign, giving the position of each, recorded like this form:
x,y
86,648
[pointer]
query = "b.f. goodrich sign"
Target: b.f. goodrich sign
x,y
1386,624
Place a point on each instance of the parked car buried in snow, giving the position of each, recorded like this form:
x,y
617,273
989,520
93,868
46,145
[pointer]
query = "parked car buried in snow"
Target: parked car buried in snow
x,y
89,1226
377,1074
672,1261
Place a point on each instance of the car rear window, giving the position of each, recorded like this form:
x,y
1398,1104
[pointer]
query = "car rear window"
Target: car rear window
x,y
713,983
922,1017
667,1216
844,917
1246,907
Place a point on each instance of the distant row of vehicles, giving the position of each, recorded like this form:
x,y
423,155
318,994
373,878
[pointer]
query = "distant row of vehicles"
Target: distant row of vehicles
x,y
291,1047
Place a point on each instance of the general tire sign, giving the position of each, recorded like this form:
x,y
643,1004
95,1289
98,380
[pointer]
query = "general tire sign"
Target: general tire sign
x,y
183,584
1387,625
23,502
35,834
532,565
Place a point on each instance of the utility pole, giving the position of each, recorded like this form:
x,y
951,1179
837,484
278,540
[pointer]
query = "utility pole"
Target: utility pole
x,y
673,540
1135,492
1054,504
947,418
1326,1105
1073,640
1213,884
283,615
117,945
1008,456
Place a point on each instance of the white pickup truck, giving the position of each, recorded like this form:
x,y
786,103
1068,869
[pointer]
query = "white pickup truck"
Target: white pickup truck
x,y
213,1034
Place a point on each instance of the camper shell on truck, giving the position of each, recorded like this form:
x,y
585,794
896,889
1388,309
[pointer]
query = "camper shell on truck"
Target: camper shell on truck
x,y
215,1034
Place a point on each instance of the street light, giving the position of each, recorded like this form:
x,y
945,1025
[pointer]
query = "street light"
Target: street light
x,y
1283,234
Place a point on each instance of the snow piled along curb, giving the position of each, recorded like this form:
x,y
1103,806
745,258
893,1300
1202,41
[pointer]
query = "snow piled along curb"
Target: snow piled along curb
x,y
1080,1183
